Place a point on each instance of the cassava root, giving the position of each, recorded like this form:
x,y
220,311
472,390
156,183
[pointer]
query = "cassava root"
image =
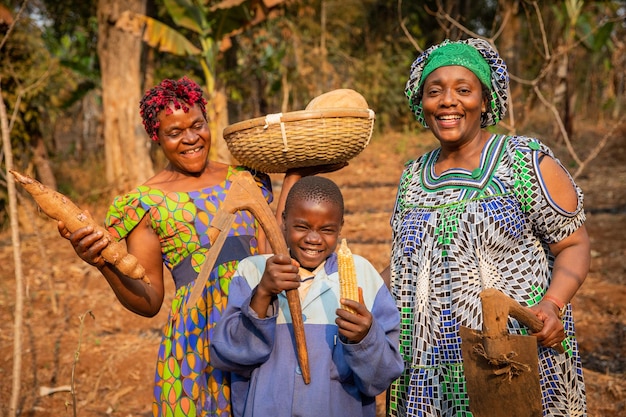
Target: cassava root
x,y
57,206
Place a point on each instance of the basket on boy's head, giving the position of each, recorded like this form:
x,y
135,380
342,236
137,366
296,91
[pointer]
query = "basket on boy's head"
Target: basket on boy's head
x,y
334,128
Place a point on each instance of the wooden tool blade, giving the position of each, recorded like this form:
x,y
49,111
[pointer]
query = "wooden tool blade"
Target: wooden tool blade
x,y
508,387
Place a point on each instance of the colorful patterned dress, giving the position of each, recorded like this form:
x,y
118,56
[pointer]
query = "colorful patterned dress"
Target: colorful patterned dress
x,y
185,382
457,233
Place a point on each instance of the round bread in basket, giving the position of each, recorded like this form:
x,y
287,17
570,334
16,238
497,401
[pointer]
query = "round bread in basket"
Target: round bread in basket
x,y
319,135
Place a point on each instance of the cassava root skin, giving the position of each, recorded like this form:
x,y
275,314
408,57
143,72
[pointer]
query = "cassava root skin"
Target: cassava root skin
x,y
57,206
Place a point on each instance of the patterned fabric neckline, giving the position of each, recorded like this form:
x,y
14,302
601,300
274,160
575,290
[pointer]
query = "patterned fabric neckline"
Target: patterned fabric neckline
x,y
477,179
202,190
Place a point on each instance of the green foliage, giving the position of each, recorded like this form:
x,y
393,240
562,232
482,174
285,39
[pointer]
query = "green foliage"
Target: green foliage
x,y
71,37
291,57
46,65
165,39
69,16
26,70
257,61
188,15
208,23
593,27
361,47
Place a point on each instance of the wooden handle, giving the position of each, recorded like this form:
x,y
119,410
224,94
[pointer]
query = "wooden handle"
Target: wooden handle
x,y
497,306
244,194
262,212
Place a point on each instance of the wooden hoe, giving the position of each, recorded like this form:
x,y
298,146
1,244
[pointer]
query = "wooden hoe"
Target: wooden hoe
x,y
502,370
244,194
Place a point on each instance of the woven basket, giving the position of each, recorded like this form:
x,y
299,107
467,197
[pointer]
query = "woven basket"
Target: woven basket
x,y
278,142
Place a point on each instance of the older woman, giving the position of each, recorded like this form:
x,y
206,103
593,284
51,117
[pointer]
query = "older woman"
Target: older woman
x,y
164,222
483,210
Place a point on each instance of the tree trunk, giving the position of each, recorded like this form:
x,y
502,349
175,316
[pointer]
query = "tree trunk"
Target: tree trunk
x,y
219,149
126,146
562,95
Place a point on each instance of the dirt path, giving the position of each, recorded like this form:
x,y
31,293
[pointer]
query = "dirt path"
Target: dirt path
x,y
118,349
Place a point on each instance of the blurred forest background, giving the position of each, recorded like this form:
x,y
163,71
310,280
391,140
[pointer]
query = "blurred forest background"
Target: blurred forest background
x,y
72,73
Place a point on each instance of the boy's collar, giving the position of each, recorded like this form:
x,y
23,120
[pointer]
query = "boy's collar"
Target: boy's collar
x,y
305,274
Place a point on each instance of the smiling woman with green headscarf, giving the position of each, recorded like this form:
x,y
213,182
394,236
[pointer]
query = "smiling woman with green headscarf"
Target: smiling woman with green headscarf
x,y
481,211
474,54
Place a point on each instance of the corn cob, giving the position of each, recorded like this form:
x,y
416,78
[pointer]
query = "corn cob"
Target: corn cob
x,y
347,274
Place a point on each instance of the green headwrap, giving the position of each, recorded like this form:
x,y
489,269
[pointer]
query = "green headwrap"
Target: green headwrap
x,y
458,54
478,56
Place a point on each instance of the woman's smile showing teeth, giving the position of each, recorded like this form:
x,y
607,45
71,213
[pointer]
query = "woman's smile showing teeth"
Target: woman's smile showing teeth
x,y
448,121
194,150
449,117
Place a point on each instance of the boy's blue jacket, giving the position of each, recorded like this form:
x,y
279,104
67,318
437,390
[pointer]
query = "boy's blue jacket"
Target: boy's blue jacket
x,y
345,378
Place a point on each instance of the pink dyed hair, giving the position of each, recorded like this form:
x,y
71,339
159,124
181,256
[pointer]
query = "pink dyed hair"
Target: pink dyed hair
x,y
182,94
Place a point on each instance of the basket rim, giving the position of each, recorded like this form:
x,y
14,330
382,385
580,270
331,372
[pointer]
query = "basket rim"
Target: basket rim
x,y
299,115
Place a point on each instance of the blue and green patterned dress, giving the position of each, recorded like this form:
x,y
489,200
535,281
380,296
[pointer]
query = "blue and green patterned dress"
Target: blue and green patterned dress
x,y
457,233
185,382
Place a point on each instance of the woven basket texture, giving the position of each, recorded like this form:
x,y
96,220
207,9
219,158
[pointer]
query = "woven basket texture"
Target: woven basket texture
x,y
276,143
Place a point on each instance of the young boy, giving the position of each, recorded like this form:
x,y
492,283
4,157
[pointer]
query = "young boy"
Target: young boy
x,y
352,357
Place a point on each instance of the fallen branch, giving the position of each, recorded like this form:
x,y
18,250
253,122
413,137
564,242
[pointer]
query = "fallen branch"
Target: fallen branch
x,y
45,391
76,356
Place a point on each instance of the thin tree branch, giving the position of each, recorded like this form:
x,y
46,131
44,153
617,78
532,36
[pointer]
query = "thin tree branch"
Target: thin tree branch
x,y
445,16
22,91
17,17
596,150
544,36
76,356
405,30
505,20
559,122
19,274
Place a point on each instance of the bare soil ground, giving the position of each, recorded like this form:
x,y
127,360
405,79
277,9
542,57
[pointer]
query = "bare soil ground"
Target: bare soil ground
x,y
77,334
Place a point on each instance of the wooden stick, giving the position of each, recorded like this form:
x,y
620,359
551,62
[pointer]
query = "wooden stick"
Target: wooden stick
x,y
498,300
244,194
